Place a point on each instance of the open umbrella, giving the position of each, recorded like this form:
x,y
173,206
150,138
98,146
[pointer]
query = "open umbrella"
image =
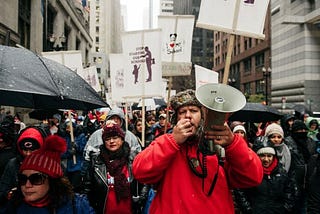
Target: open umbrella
x,y
256,112
31,81
301,109
42,114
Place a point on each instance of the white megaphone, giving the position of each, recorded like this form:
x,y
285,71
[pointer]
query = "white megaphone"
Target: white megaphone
x,y
220,101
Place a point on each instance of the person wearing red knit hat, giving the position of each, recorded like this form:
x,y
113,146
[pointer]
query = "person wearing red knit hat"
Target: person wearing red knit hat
x,y
43,188
30,140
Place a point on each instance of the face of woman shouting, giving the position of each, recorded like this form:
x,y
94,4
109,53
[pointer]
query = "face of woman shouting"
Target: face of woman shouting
x,y
266,159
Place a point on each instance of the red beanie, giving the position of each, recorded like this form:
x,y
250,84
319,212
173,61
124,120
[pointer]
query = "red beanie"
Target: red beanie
x,y
111,130
30,138
49,160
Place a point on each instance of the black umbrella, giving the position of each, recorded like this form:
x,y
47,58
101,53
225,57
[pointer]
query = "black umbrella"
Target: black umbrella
x,y
31,81
43,114
256,112
301,109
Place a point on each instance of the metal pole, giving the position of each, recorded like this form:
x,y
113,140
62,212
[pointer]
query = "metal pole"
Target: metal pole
x,y
266,87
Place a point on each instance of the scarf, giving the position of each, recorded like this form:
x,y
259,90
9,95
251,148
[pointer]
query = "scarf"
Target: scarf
x,y
284,155
115,161
45,201
268,170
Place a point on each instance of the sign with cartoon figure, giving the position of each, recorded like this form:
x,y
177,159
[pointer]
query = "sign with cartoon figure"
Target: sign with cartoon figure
x,y
142,62
241,17
176,44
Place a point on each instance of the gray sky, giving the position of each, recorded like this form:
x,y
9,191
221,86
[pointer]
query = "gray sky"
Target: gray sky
x,y
135,12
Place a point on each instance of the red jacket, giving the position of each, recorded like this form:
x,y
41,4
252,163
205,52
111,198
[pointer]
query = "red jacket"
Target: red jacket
x,y
164,162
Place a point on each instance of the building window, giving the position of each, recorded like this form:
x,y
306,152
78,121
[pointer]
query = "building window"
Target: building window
x,y
247,88
24,22
247,65
259,60
260,86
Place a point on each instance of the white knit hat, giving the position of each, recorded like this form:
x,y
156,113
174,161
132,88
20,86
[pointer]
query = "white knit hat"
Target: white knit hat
x,y
266,150
274,129
239,127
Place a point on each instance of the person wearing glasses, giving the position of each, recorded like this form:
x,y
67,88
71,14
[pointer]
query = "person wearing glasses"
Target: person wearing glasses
x,y
42,186
30,140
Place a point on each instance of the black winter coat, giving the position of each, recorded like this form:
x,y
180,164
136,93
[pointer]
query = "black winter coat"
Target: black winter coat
x,y
95,185
9,178
276,194
300,156
314,186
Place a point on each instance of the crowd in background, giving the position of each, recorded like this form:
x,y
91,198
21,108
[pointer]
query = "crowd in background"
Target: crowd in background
x,y
99,151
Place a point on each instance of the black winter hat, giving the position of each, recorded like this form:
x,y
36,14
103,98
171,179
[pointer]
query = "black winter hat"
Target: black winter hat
x,y
262,145
298,125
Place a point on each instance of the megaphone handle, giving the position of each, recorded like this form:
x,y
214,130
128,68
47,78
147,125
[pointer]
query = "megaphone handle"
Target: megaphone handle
x,y
211,146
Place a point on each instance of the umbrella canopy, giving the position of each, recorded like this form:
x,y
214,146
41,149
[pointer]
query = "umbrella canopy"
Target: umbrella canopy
x,y
256,112
43,114
31,81
301,109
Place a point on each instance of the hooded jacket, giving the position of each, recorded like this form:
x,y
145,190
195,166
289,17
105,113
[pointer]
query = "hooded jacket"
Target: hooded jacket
x,y
95,140
179,190
313,134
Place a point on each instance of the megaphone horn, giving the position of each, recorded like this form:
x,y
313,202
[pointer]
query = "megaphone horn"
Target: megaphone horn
x,y
220,101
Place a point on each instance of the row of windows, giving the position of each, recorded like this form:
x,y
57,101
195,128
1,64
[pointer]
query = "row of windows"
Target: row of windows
x,y
259,86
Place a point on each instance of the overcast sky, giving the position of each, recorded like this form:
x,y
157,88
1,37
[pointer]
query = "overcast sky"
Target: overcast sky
x,y
135,12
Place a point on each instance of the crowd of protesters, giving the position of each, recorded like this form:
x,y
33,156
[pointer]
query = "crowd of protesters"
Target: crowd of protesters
x,y
103,163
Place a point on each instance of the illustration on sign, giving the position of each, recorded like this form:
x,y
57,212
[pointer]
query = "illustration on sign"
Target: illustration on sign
x,y
136,58
173,46
135,73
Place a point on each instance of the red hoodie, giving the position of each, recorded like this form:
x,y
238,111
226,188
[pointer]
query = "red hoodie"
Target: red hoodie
x,y
164,162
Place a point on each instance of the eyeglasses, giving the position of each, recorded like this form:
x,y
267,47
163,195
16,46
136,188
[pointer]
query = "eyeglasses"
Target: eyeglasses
x,y
35,179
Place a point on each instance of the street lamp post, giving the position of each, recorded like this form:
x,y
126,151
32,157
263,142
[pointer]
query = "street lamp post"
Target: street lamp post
x,y
266,74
